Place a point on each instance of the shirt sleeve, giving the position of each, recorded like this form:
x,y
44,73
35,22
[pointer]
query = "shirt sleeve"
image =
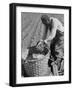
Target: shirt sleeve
x,y
58,25
53,30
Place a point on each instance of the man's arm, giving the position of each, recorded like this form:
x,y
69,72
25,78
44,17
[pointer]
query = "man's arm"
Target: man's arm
x,y
52,33
56,25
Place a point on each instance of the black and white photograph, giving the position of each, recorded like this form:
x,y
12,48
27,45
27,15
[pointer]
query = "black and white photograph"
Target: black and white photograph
x,y
40,44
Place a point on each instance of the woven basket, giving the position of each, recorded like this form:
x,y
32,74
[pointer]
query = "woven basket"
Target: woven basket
x,y
37,67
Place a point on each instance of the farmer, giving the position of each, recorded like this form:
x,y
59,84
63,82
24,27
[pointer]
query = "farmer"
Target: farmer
x,y
55,34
